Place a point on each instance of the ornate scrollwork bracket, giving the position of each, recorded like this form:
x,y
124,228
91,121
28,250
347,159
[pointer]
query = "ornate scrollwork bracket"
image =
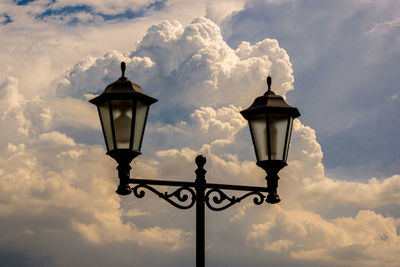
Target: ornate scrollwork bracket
x,y
184,195
215,197
188,193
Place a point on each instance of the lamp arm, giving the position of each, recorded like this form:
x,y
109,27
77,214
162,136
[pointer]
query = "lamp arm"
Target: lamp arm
x,y
215,197
160,182
183,194
186,193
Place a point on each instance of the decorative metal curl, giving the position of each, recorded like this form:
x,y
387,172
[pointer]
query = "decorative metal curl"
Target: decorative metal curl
x,y
182,194
221,197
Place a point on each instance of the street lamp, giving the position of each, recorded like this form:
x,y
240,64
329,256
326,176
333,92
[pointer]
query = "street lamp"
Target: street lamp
x,y
271,120
123,109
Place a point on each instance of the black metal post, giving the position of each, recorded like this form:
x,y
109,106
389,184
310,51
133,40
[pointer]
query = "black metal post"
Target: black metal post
x,y
200,187
272,167
124,176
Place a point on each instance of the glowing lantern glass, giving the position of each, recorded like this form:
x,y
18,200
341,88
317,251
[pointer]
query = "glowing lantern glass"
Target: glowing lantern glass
x,y
123,109
270,121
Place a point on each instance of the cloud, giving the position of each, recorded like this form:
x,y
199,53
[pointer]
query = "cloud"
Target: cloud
x,y
305,182
206,125
11,97
217,11
56,138
136,212
44,170
340,242
57,167
296,227
57,174
84,11
206,65
73,112
5,19
105,230
116,7
58,186
11,101
343,53
385,27
191,67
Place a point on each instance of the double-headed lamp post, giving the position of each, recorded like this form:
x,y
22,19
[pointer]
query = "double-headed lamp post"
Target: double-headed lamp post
x,y
123,109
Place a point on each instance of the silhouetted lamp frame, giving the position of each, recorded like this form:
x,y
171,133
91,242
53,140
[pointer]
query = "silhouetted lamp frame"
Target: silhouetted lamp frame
x,y
270,121
123,109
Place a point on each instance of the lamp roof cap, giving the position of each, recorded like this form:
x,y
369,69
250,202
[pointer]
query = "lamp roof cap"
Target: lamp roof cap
x,y
123,88
270,103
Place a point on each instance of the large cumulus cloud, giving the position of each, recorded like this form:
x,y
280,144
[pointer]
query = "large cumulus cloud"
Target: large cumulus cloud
x,y
368,239
192,66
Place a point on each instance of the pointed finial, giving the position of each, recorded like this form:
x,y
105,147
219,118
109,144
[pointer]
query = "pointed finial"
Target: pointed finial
x,y
269,81
123,68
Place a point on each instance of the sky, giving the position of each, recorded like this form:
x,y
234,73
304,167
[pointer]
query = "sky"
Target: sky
x,y
205,61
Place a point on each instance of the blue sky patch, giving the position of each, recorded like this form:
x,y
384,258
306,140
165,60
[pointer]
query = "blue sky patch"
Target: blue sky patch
x,y
71,10
5,19
158,5
65,11
24,2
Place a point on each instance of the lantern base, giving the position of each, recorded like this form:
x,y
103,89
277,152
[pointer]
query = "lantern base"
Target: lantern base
x,y
124,158
123,155
273,198
123,190
124,174
272,167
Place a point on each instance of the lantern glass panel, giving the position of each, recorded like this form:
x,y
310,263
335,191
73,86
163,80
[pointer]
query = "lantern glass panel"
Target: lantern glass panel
x,y
289,134
258,127
140,121
122,116
278,124
105,118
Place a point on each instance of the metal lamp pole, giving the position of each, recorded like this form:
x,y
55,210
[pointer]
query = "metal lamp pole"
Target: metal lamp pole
x,y
200,187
